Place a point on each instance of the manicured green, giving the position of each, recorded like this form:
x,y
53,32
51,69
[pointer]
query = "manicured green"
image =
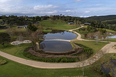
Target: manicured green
x,y
57,24
108,30
13,69
112,39
2,30
86,49
15,50
92,44
1,20
47,31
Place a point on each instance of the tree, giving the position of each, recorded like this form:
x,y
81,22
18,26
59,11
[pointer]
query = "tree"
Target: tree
x,y
38,18
4,38
11,32
34,36
32,27
88,28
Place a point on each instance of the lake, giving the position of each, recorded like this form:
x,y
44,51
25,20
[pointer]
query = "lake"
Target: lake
x,y
58,41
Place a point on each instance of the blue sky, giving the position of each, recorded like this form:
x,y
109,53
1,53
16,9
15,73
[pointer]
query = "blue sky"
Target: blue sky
x,y
80,8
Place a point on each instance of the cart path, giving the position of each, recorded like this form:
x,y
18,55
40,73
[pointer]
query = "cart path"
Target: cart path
x,y
106,49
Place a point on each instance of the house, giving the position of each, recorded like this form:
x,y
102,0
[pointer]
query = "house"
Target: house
x,y
24,26
70,23
1,22
3,27
87,23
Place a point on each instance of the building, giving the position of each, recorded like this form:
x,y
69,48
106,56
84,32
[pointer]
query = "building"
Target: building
x,y
3,27
87,23
1,22
70,23
24,26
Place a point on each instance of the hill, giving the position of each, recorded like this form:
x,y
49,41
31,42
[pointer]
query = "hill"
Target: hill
x,y
102,18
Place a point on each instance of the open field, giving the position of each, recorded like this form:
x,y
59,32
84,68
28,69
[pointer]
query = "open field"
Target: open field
x,y
112,40
2,30
92,44
15,50
57,24
13,69
1,20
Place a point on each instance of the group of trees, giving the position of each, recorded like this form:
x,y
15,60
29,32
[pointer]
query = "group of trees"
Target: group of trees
x,y
108,22
4,38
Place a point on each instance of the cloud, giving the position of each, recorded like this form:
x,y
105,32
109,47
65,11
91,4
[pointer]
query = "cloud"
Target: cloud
x,y
68,10
84,16
78,0
39,7
4,1
87,11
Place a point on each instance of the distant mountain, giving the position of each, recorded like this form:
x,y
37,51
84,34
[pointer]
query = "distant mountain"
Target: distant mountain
x,y
102,18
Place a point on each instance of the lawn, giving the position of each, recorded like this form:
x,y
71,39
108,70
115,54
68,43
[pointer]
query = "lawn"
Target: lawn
x,y
1,20
2,30
92,44
108,30
112,39
57,24
15,50
19,70
13,69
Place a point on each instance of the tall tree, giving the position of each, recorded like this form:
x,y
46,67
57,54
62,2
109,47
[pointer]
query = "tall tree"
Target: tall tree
x,y
4,38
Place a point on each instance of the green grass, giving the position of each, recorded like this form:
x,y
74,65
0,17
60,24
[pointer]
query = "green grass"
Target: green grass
x,y
15,50
57,24
3,30
112,39
47,31
13,69
1,20
108,30
92,44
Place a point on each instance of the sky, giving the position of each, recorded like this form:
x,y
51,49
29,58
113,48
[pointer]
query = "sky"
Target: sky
x,y
78,8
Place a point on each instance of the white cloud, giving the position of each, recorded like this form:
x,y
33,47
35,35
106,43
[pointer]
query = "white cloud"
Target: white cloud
x,y
78,0
68,10
4,1
39,7
84,16
87,11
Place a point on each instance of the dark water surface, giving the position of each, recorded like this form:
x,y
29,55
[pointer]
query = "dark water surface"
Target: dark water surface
x,y
49,44
110,67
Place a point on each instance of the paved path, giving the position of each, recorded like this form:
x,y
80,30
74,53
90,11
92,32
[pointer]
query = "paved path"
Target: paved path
x,y
106,49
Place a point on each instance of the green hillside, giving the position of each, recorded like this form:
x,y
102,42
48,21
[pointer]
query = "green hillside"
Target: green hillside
x,y
109,19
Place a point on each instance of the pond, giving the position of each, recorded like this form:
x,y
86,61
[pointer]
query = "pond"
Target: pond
x,y
110,67
57,41
110,37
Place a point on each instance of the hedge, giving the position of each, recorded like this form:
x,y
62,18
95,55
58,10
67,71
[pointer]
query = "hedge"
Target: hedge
x,y
86,49
61,59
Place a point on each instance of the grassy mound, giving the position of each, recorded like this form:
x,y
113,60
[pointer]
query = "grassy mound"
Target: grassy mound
x,y
2,62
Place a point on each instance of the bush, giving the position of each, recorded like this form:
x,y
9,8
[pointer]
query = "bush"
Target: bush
x,y
2,62
86,49
32,27
61,59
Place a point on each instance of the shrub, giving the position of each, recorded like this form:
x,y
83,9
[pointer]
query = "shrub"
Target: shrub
x,y
2,62
60,59
86,49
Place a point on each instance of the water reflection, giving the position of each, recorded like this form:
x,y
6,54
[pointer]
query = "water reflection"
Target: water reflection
x,y
57,46
110,67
